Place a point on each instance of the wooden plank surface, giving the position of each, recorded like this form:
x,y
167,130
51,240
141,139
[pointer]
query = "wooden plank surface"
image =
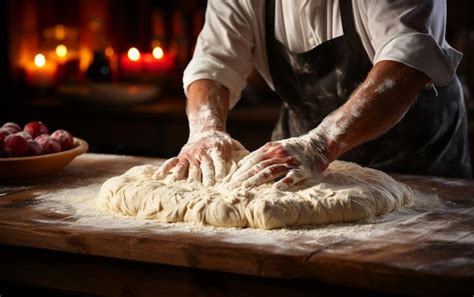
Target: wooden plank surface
x,y
428,252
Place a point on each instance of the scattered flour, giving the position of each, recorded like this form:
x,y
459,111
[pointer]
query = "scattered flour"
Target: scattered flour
x,y
385,86
81,212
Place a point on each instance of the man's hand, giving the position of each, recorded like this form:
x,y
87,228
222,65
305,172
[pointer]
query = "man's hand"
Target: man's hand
x,y
209,149
295,159
203,159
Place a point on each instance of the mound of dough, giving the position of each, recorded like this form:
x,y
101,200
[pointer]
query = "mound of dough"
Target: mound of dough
x,y
346,192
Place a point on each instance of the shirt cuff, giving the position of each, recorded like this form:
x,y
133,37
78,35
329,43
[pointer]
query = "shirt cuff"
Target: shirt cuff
x,y
208,68
422,52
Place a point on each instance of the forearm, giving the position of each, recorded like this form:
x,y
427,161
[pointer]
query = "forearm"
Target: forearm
x,y
376,106
207,106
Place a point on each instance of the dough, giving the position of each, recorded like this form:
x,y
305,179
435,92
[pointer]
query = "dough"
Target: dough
x,y
346,192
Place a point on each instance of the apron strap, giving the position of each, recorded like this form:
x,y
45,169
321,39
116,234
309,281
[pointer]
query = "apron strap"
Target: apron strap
x,y
351,36
276,61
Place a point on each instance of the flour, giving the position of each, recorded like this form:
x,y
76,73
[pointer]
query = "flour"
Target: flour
x,y
209,116
206,120
385,86
79,208
345,192
333,126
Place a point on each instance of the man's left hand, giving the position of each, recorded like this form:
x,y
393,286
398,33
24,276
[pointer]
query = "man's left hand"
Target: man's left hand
x,y
294,159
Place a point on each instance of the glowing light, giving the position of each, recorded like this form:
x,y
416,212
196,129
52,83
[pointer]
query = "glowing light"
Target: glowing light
x,y
61,51
109,52
60,32
40,60
158,53
133,54
85,58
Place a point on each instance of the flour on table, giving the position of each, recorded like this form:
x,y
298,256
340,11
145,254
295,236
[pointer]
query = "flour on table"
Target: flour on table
x,y
346,192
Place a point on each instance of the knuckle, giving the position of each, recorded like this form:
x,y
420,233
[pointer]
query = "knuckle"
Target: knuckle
x,y
291,160
259,167
272,170
294,174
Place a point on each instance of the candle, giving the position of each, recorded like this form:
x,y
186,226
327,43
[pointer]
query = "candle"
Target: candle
x,y
61,53
157,61
132,62
41,73
158,53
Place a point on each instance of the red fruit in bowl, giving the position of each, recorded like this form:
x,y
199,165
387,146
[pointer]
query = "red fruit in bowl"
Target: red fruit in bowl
x,y
48,143
16,146
34,148
3,134
12,127
24,134
36,128
10,130
65,139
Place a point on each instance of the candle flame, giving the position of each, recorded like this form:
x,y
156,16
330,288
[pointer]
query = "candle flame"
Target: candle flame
x,y
158,53
133,54
61,51
40,60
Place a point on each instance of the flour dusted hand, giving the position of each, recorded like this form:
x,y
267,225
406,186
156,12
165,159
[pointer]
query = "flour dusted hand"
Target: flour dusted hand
x,y
204,158
210,151
295,159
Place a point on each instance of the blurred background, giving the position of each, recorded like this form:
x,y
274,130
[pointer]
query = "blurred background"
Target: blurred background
x,y
110,72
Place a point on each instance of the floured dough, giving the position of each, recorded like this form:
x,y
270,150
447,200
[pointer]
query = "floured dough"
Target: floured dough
x,y
346,192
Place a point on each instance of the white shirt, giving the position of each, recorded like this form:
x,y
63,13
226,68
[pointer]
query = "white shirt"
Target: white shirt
x,y
232,40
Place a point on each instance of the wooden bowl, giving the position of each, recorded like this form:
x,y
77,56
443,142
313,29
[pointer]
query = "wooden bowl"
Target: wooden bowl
x,y
42,165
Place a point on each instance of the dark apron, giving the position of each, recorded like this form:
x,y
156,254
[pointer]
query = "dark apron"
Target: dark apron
x,y
431,139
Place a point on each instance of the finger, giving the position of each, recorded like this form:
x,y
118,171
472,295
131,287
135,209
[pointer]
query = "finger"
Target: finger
x,y
165,168
220,169
268,174
256,169
252,160
251,155
207,171
292,177
194,173
180,170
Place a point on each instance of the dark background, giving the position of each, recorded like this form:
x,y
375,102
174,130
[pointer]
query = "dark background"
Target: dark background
x,y
156,127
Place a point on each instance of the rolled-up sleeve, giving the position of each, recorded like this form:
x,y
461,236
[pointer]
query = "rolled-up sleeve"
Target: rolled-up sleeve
x,y
224,48
412,32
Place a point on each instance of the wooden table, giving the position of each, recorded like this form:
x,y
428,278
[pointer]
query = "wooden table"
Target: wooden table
x,y
430,255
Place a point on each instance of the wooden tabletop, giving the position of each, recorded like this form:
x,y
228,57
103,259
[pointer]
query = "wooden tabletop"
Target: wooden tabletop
x,y
423,252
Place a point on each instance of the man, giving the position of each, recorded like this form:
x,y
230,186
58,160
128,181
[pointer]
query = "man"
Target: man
x,y
371,82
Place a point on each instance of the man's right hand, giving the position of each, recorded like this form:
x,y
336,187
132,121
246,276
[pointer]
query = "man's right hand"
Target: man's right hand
x,y
204,159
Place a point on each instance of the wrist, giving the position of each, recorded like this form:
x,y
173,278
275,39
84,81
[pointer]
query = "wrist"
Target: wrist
x,y
332,150
216,133
323,144
205,119
193,130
